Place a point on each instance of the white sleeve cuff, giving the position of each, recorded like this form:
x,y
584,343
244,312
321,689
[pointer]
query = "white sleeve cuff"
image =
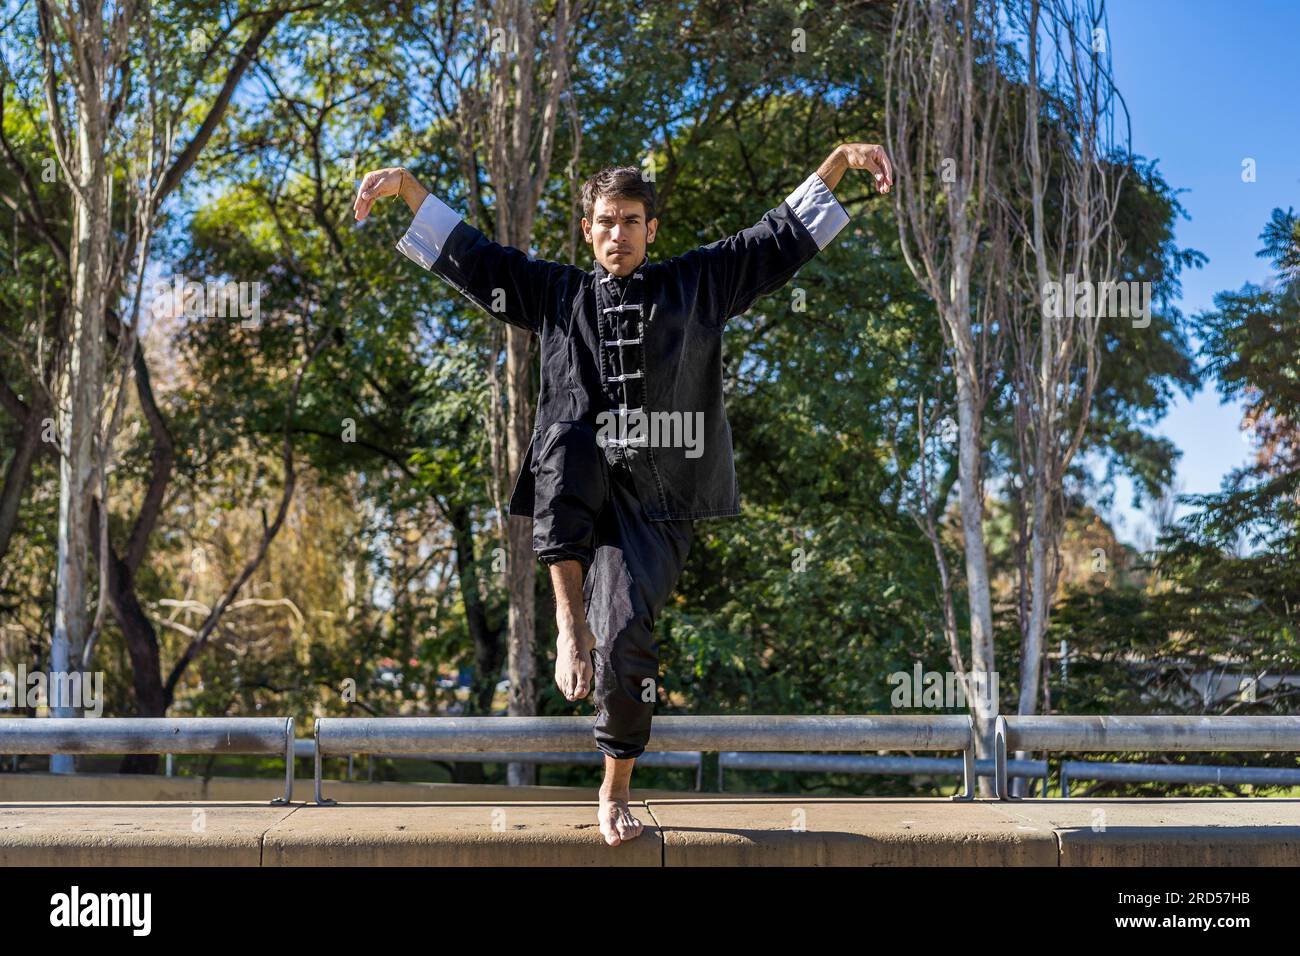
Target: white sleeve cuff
x,y
818,209
428,232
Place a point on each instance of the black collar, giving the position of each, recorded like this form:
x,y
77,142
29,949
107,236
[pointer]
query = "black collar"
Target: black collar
x,y
601,272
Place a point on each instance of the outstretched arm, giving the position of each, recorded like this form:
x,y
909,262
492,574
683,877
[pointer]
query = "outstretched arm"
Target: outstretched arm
x,y
762,258
501,280
857,156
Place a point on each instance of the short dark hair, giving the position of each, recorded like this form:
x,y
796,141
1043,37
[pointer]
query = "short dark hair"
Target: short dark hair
x,y
618,182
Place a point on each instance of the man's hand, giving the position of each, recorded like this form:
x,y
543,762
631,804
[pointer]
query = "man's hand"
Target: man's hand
x,y
872,157
858,156
393,181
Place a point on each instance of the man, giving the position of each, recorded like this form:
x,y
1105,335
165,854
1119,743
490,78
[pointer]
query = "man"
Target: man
x,y
631,443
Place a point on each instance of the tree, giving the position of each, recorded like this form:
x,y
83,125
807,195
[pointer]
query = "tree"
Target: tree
x,y
943,126
129,101
1063,209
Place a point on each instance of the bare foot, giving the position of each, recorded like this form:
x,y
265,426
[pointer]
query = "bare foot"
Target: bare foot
x,y
616,821
573,670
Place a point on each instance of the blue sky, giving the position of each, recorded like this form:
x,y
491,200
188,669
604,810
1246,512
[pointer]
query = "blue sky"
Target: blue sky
x,y
1208,84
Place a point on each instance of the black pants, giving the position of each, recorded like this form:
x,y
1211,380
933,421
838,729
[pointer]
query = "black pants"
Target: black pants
x,y
586,510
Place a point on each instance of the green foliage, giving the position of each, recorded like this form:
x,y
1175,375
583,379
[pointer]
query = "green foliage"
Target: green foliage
x,y
806,602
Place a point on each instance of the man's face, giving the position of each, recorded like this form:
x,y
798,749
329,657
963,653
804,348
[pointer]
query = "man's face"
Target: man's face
x,y
619,234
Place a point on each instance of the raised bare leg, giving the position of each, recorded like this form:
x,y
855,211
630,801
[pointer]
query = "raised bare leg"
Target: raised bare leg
x,y
575,641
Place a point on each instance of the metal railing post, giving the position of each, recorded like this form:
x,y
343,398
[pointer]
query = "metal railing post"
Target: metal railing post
x,y
968,763
320,800
1000,759
288,765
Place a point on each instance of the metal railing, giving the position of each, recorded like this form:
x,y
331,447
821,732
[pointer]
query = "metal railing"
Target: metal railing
x,y
1070,770
153,735
687,760
680,742
871,764
1174,773
337,736
1132,734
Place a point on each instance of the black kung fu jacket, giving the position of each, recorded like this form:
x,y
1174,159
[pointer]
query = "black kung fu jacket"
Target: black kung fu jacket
x,y
648,343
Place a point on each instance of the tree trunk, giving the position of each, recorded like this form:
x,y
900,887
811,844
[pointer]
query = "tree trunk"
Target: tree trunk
x,y
20,466
487,642
141,645
519,552
81,386
518,120
977,571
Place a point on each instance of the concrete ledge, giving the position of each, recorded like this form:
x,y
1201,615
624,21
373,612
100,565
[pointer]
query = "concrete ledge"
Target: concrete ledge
x,y
795,831
1168,832
135,834
85,787
456,834
726,831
